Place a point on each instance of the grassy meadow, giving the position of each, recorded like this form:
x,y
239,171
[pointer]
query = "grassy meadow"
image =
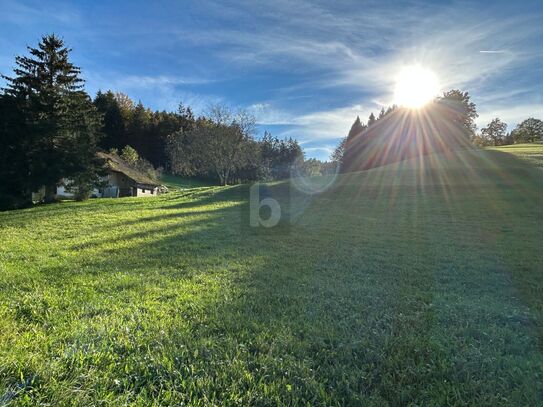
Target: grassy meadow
x,y
175,182
419,283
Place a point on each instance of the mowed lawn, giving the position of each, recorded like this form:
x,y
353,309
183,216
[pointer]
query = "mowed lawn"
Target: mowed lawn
x,y
419,283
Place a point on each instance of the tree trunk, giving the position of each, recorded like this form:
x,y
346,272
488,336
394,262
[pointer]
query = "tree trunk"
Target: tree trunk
x,y
226,176
50,193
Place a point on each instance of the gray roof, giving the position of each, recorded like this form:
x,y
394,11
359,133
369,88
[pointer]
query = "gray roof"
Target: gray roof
x,y
117,164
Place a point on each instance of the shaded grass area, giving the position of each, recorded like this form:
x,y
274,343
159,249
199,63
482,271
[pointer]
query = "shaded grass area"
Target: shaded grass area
x,y
177,182
417,283
531,152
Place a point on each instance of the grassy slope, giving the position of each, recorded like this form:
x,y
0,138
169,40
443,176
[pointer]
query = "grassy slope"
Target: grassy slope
x,y
176,182
533,153
406,284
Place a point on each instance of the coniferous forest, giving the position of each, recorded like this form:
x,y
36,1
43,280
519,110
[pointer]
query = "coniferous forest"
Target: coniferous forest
x,y
52,129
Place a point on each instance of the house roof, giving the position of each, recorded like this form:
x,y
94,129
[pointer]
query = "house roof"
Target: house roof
x,y
117,164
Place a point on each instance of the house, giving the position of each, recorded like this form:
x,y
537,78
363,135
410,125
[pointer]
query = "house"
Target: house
x,y
121,180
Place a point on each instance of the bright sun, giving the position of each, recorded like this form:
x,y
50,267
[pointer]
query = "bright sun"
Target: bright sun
x,y
415,86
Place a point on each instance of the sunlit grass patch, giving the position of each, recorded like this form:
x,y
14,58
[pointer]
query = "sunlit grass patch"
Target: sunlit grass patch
x,y
418,282
531,152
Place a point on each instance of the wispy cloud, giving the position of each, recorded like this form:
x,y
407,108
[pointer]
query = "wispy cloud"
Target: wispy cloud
x,y
145,81
306,68
322,126
169,90
25,14
363,48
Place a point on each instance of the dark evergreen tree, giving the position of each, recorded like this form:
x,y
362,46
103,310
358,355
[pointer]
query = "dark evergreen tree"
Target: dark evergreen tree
x,y
113,122
371,119
15,189
62,126
391,109
278,156
339,151
137,129
356,128
342,153
138,126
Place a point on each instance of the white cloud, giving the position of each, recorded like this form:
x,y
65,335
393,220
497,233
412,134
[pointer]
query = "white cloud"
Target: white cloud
x,y
145,82
350,51
169,91
24,15
320,126
363,48
366,46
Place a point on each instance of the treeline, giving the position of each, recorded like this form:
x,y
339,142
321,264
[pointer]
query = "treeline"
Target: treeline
x,y
400,133
220,145
51,130
495,133
357,128
125,123
446,123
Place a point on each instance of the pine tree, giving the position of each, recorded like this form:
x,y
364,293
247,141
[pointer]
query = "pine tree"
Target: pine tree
x,y
138,130
343,153
114,120
371,119
391,109
382,113
339,151
14,164
62,125
356,128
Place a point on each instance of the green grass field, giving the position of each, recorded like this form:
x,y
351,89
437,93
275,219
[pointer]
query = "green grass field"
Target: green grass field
x,y
419,283
176,182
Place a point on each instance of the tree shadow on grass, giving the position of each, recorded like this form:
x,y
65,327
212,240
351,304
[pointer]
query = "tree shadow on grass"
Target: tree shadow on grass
x,y
377,297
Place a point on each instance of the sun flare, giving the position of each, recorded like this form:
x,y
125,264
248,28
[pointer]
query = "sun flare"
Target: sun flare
x,y
415,86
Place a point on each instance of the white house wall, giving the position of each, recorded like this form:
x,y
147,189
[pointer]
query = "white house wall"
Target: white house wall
x,y
146,192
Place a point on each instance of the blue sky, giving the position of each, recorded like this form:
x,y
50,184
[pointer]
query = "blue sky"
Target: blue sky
x,y
305,69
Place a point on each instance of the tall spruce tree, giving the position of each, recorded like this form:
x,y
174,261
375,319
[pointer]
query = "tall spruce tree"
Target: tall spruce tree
x,y
342,154
356,128
371,119
337,155
14,189
62,126
113,120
